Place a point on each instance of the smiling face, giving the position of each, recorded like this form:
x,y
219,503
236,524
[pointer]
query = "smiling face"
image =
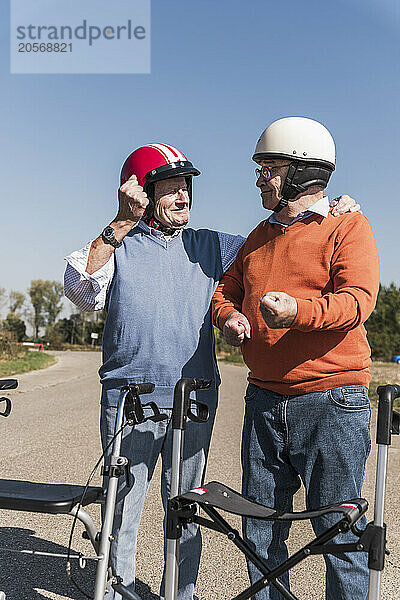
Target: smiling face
x,y
271,188
171,198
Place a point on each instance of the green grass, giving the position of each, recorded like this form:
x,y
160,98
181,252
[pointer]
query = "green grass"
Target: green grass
x,y
30,361
76,348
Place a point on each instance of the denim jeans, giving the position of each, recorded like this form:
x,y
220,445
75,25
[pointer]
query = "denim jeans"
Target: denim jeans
x,y
143,445
323,440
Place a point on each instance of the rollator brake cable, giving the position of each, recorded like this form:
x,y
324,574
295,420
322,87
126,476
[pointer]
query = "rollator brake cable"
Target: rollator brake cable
x,y
68,565
134,416
392,564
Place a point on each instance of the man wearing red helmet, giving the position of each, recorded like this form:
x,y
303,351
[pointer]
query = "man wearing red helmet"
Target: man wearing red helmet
x,y
156,278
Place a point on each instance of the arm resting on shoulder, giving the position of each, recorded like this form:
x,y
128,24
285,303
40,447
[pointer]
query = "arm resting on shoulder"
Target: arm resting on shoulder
x,y
229,246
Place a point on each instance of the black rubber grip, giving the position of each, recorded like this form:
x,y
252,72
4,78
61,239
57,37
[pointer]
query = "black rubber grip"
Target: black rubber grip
x,y
142,388
7,409
387,394
8,384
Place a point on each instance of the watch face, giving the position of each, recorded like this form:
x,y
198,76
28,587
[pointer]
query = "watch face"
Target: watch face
x,y
108,232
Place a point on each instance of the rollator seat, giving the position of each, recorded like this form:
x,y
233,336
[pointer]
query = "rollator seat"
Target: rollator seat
x,y
217,495
56,498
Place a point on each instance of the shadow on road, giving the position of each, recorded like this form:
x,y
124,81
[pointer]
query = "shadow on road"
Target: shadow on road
x,y
27,577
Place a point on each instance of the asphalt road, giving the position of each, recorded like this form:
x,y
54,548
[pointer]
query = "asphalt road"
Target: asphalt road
x,y
52,436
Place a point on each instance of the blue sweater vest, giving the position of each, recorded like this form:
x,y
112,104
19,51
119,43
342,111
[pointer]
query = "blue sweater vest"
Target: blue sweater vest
x,y
158,326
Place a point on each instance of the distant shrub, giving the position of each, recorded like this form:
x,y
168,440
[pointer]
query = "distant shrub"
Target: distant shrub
x,y
14,324
8,346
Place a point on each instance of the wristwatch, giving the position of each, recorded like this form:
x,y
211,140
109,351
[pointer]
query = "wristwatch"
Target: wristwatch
x,y
108,237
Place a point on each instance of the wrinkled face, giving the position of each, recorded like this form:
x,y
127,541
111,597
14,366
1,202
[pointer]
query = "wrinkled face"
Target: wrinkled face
x,y
271,187
171,198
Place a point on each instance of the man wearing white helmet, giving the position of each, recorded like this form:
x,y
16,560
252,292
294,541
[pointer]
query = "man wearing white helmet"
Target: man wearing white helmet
x,y
296,299
157,278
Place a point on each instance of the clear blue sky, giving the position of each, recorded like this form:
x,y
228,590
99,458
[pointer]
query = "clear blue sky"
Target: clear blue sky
x,y
221,71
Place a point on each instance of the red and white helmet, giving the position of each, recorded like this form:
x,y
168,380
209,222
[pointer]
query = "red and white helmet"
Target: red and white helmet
x,y
154,162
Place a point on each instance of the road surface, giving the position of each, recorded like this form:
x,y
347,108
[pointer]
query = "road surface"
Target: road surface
x,y
52,436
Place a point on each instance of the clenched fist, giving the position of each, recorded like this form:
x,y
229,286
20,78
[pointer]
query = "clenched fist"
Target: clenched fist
x,y
278,309
132,201
236,329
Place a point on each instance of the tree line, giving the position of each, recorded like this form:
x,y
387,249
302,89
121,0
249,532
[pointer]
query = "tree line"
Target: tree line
x,y
40,308
42,305
383,326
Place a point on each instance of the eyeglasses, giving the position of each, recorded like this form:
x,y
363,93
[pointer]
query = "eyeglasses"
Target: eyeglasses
x,y
269,172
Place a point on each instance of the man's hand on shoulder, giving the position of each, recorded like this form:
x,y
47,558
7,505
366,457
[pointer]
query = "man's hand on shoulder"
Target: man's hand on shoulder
x,y
236,329
278,309
344,204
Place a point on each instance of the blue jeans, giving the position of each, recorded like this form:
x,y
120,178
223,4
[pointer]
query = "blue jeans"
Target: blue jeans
x,y
143,445
323,440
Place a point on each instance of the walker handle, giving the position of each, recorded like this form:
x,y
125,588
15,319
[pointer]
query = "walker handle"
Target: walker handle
x,y
141,388
134,409
388,419
181,409
7,409
8,384
202,409
202,413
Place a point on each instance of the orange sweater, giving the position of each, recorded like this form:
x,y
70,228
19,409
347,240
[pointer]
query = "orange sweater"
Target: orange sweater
x,y
330,265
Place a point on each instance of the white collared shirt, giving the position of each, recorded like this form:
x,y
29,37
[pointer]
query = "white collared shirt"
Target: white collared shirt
x,y
321,207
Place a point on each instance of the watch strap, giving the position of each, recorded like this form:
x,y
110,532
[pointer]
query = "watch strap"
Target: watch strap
x,y
108,237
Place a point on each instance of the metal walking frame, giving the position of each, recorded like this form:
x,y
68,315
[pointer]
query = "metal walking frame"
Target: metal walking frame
x,y
181,412
388,424
69,499
183,509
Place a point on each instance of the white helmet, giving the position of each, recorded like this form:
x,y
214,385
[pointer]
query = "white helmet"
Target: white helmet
x,y
297,138
309,146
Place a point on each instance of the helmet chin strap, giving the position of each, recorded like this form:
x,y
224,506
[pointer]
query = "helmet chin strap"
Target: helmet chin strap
x,y
302,176
156,224
287,189
281,204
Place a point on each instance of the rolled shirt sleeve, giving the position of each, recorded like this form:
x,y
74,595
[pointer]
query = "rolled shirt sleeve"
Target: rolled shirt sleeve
x,y
87,292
